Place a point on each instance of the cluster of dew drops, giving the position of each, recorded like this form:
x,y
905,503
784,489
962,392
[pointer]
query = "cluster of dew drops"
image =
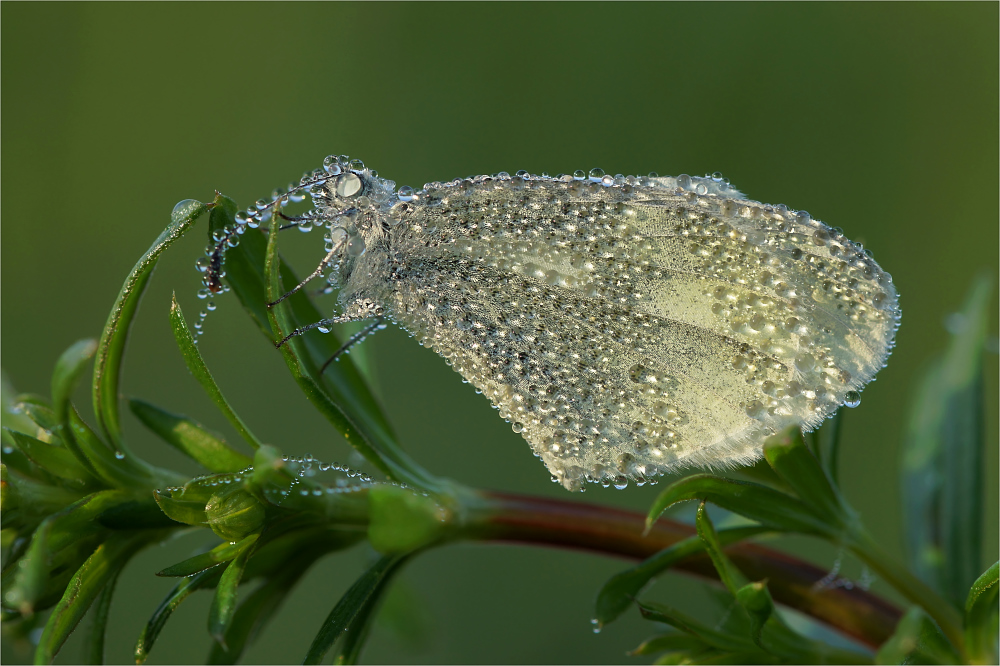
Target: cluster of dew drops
x,y
259,213
306,467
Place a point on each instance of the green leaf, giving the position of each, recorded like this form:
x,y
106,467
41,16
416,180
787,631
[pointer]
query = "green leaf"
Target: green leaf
x,y
166,608
981,611
65,528
87,583
917,640
107,368
53,458
383,452
767,506
730,576
757,602
191,438
189,512
126,471
713,637
402,520
356,606
621,589
195,363
943,457
674,641
220,615
69,367
798,467
828,444
93,640
221,553
258,608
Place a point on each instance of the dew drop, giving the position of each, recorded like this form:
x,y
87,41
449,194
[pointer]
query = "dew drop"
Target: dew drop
x,y
852,399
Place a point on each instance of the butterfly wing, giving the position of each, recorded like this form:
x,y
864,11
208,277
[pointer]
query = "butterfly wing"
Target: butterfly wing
x,y
628,330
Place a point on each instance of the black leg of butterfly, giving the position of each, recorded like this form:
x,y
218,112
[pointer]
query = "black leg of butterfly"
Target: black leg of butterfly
x,y
321,324
312,276
376,325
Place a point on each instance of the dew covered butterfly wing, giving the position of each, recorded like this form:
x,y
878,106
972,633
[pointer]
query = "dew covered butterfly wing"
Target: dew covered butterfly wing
x,y
626,327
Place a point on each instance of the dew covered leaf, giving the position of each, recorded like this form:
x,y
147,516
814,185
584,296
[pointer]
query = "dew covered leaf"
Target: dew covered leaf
x,y
943,457
83,588
196,364
355,608
259,606
220,615
67,373
771,508
208,450
111,348
221,553
981,614
179,593
94,635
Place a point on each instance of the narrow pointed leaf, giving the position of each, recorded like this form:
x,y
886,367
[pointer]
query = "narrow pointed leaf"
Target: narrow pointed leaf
x,y
68,527
191,438
159,619
708,635
384,454
93,641
792,461
55,459
195,363
828,444
917,640
126,471
259,607
621,589
184,511
981,611
220,615
99,569
357,605
767,506
67,373
943,457
218,555
107,368
730,576
672,642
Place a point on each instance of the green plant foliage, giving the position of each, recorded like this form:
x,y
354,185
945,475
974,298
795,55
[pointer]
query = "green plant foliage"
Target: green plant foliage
x,y
77,505
942,462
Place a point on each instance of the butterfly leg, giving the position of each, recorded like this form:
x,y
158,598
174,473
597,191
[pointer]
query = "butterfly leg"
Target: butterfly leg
x,y
376,325
321,324
312,276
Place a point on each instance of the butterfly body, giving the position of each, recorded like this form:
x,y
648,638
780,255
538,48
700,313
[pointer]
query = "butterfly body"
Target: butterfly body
x,y
625,327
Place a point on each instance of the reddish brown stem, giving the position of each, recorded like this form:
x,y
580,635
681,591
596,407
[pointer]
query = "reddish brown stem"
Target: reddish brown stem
x,y
856,613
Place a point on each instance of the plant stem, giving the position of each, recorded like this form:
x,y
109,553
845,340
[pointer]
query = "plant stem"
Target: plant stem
x,y
539,521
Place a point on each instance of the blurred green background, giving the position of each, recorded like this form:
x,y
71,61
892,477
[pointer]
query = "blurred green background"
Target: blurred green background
x,y
878,118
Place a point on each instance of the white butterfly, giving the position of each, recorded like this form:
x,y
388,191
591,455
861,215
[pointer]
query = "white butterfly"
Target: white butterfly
x,y
625,326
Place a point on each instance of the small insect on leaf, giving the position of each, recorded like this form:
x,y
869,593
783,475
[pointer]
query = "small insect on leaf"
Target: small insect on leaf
x,y
624,326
